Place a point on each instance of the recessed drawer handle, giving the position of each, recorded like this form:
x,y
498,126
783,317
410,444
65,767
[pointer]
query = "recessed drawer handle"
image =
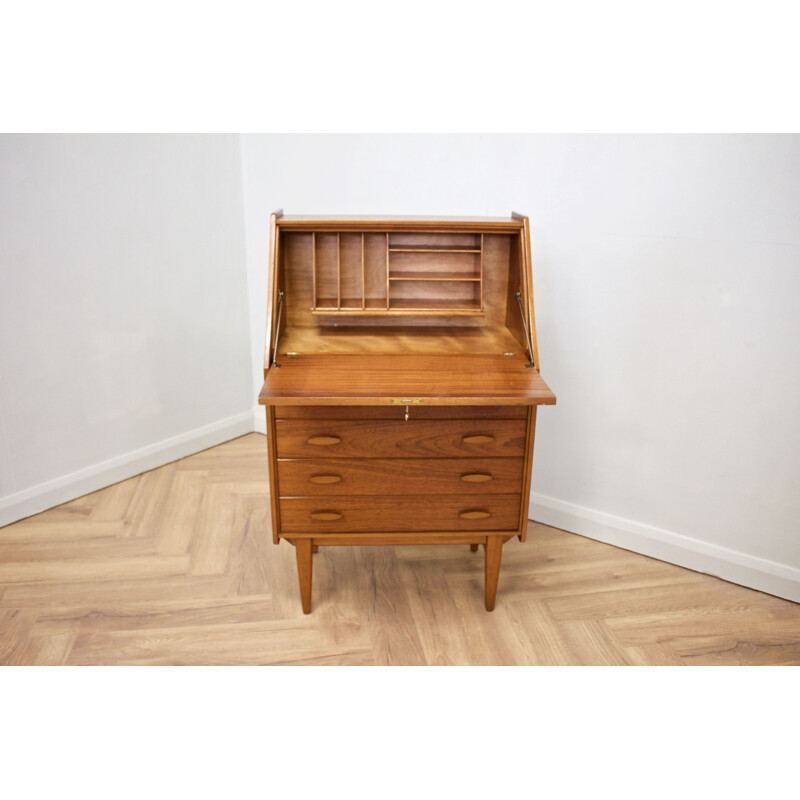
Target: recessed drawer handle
x,y
476,477
325,516
476,513
325,478
477,438
324,440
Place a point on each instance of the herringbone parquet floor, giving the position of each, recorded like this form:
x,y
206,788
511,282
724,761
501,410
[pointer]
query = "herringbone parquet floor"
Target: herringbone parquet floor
x,y
177,566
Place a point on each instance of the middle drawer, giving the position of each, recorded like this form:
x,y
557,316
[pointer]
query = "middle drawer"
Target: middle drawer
x,y
459,438
398,476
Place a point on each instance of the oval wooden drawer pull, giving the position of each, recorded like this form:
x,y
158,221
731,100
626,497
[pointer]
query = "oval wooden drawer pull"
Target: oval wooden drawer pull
x,y
476,477
476,513
325,516
325,478
477,438
324,440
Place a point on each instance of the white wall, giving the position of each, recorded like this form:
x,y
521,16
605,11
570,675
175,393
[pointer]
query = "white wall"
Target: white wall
x,y
666,277
124,339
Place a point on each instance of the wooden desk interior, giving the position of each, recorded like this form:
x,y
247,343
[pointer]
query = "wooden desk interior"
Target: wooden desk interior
x,y
426,339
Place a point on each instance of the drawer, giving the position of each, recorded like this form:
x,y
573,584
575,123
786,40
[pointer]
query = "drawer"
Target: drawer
x,y
397,411
478,512
398,476
398,439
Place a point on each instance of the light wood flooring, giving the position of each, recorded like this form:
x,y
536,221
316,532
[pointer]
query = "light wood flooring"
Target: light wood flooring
x,y
177,566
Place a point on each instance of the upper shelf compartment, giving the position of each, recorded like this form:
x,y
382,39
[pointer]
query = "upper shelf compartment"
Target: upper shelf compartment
x,y
435,243
397,273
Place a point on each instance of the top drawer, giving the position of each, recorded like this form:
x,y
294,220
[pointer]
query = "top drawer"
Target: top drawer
x,y
398,411
398,439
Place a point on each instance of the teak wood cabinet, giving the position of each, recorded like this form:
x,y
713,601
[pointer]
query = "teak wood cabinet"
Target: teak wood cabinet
x,y
401,383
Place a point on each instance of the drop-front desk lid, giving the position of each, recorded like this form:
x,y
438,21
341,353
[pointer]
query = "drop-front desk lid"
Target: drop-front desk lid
x,y
380,379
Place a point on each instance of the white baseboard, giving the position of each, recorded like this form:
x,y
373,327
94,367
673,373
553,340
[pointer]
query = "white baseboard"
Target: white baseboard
x,y
90,479
753,572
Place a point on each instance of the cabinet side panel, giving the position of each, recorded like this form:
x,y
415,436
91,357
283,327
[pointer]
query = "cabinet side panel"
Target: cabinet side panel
x,y
516,283
272,465
528,272
273,263
496,254
526,476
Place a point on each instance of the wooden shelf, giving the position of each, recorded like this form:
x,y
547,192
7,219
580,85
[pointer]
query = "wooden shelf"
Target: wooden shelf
x,y
424,249
420,308
435,306
329,305
434,276
375,302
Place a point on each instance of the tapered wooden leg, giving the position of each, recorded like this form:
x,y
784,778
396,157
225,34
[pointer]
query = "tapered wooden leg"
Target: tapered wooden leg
x,y
474,548
303,547
494,550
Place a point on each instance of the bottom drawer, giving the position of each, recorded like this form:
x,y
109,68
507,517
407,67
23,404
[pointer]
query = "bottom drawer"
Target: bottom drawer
x,y
477,512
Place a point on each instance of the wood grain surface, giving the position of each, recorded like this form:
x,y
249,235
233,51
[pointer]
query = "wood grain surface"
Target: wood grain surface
x,y
177,566
447,438
399,476
467,512
398,410
371,379
401,223
310,267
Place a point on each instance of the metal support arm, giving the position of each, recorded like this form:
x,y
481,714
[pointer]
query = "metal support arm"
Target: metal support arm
x,y
528,342
278,331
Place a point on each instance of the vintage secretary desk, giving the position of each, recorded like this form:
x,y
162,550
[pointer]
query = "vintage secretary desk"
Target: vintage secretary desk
x,y
401,383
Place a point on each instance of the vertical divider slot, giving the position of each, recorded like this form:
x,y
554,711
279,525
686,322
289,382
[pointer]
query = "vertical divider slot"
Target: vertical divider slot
x,y
351,271
388,304
480,284
313,270
325,266
374,271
